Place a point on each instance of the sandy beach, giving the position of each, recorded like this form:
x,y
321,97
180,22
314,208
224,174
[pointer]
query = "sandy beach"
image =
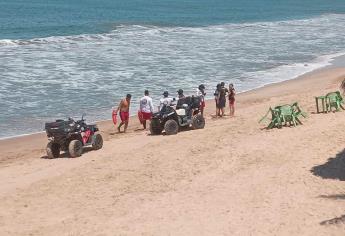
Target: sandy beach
x,y
232,178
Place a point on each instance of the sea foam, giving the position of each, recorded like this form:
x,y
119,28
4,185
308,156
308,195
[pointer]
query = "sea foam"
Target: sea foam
x,y
55,77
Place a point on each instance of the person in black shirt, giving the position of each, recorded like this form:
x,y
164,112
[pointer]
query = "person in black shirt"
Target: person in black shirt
x,y
222,98
180,94
216,98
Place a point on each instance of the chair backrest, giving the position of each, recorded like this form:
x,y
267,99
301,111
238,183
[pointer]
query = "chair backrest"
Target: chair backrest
x,y
285,110
333,96
295,107
340,98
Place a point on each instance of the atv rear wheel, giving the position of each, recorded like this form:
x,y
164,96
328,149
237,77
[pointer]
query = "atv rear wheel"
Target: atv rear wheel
x,y
198,122
53,150
97,142
171,127
155,127
75,148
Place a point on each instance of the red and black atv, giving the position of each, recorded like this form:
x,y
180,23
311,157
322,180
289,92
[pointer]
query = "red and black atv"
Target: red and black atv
x,y
71,136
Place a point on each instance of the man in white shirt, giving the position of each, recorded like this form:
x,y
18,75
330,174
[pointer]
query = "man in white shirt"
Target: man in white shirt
x,y
146,108
165,100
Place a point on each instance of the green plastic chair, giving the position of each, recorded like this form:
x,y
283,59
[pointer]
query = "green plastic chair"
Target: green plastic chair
x,y
335,100
284,114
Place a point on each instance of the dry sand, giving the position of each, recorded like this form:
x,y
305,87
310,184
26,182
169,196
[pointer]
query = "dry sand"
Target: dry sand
x,y
231,178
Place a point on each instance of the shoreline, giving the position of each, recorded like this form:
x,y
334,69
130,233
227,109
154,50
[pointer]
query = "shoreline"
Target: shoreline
x,y
335,60
39,140
233,171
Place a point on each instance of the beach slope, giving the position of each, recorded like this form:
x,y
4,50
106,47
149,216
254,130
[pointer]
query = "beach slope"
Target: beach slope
x,y
231,178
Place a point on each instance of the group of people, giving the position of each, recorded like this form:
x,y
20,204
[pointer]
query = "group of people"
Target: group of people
x,y
220,95
146,104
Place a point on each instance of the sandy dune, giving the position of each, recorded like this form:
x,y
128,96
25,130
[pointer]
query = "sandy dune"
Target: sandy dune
x,y
231,178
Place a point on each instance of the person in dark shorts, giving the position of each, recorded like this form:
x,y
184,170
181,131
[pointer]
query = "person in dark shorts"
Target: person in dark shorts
x,y
222,98
231,97
123,108
216,98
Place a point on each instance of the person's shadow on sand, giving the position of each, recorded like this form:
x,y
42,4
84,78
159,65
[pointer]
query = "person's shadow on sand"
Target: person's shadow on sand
x,y
336,220
334,168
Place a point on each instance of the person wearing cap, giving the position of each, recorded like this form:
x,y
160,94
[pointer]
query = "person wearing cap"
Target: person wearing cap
x,y
201,93
180,94
124,112
146,108
165,100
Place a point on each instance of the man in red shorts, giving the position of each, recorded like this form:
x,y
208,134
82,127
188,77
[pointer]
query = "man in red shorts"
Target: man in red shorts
x,y
146,108
124,112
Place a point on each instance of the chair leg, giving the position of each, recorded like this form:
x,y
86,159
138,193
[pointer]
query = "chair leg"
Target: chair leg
x,y
298,121
272,124
294,121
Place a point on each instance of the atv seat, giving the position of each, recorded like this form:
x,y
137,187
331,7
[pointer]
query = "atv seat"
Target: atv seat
x,y
181,102
192,102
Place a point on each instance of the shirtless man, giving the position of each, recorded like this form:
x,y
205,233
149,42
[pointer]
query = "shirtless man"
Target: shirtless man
x,y
124,112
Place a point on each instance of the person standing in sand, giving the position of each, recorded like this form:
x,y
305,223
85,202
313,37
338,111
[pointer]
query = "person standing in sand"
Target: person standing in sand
x,y
231,97
124,112
216,98
222,98
201,93
146,107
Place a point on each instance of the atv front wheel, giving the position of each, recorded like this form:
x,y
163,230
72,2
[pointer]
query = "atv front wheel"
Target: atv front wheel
x,y
97,142
53,150
198,122
155,127
75,148
171,127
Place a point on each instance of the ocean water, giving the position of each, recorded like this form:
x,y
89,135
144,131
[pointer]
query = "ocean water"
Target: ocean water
x,y
64,58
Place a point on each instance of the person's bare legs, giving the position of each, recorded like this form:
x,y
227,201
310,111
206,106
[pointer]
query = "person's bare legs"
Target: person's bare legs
x,y
118,128
144,124
232,110
126,125
222,109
